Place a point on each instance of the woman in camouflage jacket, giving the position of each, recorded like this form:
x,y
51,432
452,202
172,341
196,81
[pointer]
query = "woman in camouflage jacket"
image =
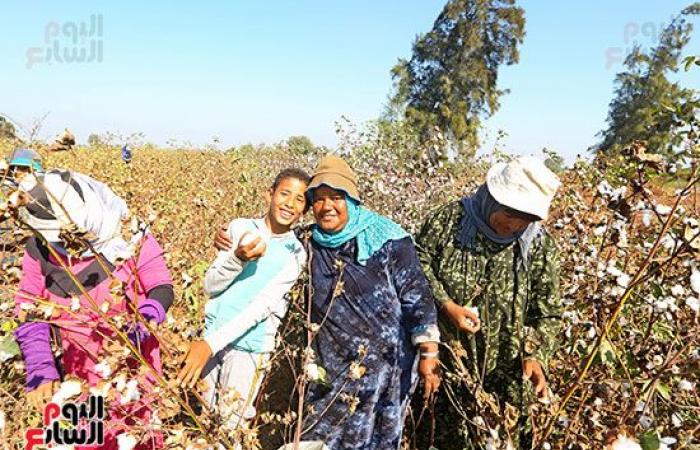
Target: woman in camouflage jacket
x,y
494,272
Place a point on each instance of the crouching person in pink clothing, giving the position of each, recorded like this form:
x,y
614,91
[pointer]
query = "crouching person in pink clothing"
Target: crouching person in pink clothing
x,y
89,298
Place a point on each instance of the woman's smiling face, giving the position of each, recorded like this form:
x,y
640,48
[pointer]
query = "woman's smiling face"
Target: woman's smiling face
x,y
330,209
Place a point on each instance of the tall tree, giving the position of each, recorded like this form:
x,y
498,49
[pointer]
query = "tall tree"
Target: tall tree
x,y
450,82
646,103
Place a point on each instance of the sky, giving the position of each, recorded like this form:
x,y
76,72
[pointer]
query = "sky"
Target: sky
x,y
259,72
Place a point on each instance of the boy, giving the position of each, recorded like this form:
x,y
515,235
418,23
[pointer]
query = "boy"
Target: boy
x,y
247,287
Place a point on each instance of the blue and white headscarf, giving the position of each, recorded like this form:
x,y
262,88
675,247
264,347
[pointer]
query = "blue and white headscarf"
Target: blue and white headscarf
x,y
371,230
477,210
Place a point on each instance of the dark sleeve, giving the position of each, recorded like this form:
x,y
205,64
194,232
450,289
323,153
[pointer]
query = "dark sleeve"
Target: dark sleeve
x,y
153,273
417,304
543,314
429,243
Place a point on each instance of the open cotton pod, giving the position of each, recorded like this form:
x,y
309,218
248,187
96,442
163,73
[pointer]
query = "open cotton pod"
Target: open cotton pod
x,y
250,236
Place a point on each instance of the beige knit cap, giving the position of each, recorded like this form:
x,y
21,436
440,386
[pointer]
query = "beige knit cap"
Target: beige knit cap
x,y
334,172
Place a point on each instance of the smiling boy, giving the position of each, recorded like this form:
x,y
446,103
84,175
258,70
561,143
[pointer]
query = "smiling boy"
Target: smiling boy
x,y
247,287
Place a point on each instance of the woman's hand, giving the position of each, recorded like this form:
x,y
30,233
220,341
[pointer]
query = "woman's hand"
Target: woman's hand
x,y
532,370
40,396
462,317
222,241
197,357
429,369
429,372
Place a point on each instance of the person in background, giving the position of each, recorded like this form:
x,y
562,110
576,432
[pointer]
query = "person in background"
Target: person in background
x,y
247,285
494,271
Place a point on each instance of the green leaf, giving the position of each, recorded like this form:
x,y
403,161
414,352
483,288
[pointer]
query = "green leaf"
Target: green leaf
x,y
650,440
689,61
664,391
607,353
8,346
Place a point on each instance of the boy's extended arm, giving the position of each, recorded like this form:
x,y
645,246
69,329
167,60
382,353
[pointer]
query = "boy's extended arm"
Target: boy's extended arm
x,y
226,267
272,302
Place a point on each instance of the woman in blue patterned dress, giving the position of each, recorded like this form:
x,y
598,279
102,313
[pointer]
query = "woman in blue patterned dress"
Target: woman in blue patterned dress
x,y
376,316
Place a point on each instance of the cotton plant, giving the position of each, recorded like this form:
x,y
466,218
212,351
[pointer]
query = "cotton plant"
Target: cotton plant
x,y
605,215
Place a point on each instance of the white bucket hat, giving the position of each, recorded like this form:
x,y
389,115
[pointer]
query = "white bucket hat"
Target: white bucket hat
x,y
524,184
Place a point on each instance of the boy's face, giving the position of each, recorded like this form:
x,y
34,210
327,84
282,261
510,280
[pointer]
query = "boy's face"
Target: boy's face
x,y
287,203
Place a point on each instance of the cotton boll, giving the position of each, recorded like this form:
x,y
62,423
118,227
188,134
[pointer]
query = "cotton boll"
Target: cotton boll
x,y
663,210
685,385
67,390
614,271
130,393
591,333
623,280
2,421
676,420
693,303
315,373
26,306
126,441
666,442
695,281
103,369
677,290
625,443
604,188
250,236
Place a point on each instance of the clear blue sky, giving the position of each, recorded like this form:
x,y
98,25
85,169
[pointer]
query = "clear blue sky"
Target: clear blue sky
x,y
262,71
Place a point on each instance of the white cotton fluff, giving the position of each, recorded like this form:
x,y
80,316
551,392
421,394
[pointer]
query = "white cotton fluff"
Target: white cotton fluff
x,y
666,442
315,373
695,281
103,370
250,236
74,304
693,303
67,390
685,385
625,443
677,290
130,393
2,421
676,420
126,441
623,280
4,356
663,210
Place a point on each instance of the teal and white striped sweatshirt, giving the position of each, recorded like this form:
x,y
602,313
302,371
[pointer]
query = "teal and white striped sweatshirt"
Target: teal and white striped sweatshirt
x,y
248,299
